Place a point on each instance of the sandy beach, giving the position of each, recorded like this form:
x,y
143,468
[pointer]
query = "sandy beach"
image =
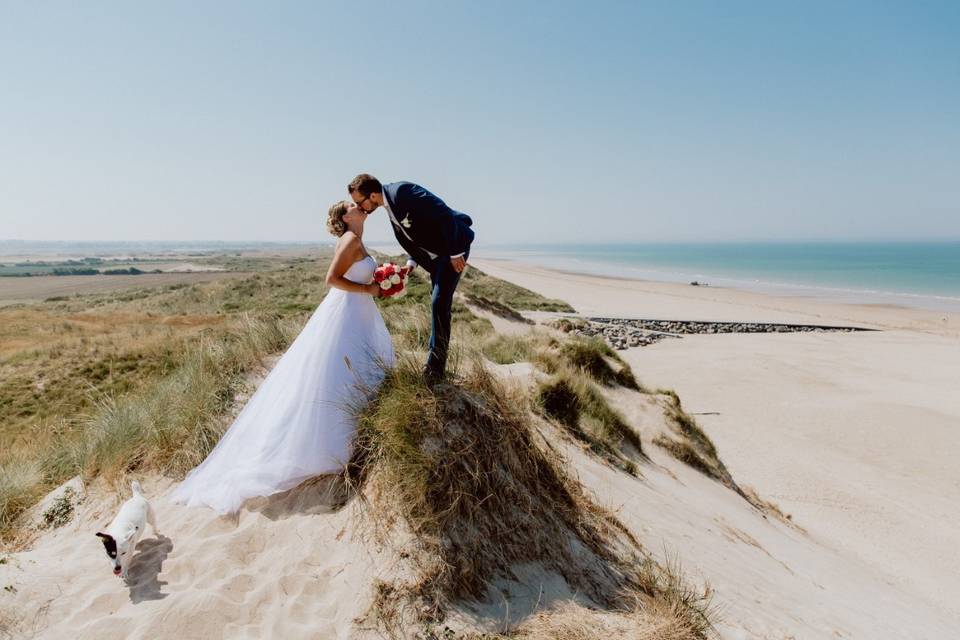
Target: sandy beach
x,y
855,434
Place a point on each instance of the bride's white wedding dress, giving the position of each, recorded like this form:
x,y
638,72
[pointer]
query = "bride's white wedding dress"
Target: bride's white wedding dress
x,y
298,423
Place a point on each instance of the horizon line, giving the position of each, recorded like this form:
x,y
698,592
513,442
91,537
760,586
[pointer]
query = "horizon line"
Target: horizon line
x,y
938,240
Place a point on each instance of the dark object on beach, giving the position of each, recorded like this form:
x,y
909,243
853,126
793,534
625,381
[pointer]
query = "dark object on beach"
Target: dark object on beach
x,y
622,333
696,283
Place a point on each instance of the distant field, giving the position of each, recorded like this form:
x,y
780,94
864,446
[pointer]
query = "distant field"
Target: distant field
x,y
14,290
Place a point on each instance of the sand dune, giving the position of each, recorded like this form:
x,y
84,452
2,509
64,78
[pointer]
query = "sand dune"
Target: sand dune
x,y
284,571
852,433
293,567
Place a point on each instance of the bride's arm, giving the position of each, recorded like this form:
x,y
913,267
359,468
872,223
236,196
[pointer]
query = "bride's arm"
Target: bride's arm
x,y
347,252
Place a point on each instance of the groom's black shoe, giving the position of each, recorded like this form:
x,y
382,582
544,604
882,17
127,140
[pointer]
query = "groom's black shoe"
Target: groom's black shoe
x,y
431,376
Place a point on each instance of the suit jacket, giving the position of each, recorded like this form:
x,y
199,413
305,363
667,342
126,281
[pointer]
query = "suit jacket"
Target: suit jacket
x,y
430,224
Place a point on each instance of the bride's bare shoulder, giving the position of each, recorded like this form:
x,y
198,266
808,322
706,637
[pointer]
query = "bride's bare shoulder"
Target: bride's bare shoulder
x,y
349,240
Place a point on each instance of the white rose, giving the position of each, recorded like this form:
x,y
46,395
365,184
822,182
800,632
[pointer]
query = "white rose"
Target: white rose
x,y
385,284
395,278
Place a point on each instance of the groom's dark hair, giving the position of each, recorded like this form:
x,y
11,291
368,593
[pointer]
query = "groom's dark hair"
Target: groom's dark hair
x,y
365,184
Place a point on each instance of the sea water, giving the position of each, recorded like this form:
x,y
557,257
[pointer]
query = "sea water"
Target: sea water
x,y
919,274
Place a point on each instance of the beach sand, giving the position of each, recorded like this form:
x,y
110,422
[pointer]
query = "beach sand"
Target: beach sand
x,y
855,434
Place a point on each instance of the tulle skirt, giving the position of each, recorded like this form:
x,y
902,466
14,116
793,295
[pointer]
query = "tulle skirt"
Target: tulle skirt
x,y
299,422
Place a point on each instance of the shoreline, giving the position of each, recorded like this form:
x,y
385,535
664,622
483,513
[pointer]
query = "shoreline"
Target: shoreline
x,y
633,298
857,282
853,433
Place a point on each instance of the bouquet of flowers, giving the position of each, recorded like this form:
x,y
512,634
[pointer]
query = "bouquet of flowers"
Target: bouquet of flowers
x,y
391,278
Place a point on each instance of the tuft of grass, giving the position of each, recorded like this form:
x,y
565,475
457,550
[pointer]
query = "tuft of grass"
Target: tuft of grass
x,y
601,362
683,451
770,508
591,355
20,487
645,620
693,446
507,349
571,399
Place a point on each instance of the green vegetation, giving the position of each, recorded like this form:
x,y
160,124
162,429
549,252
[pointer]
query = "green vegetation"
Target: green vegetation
x,y
507,349
81,375
83,267
146,379
599,361
573,401
134,379
129,271
75,271
19,481
477,283
692,446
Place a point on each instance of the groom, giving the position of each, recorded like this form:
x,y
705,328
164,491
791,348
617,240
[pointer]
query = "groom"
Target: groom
x,y
435,236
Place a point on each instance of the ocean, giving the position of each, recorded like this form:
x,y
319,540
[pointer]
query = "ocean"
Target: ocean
x,y
916,274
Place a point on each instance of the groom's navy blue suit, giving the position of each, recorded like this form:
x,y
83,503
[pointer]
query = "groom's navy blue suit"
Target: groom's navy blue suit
x,y
431,232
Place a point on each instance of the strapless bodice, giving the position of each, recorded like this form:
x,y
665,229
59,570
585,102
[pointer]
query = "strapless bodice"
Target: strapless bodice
x,y
361,271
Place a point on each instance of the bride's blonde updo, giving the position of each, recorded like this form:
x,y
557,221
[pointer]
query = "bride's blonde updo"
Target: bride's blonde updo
x,y
335,224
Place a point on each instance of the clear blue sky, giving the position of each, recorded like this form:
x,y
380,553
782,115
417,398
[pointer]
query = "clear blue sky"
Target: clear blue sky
x,y
548,122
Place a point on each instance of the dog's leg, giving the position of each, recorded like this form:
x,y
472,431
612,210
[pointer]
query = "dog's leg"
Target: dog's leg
x,y
152,519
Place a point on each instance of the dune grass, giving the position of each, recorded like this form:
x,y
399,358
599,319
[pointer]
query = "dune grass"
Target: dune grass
x,y
508,349
507,294
82,375
19,480
462,470
599,361
574,402
689,444
461,465
174,424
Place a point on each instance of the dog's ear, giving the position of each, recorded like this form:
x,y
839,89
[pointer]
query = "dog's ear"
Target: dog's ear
x,y
108,543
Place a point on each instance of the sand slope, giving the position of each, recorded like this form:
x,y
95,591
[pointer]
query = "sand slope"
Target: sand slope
x,y
296,568
293,570
875,498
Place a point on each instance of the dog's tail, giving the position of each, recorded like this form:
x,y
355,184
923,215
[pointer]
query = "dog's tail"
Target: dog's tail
x,y
137,489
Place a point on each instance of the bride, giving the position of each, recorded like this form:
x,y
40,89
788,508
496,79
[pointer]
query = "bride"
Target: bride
x,y
298,425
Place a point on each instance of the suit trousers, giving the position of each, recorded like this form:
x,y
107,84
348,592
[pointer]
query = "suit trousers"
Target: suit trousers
x,y
444,279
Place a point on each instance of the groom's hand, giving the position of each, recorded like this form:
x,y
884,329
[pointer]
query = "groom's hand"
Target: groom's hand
x,y
458,263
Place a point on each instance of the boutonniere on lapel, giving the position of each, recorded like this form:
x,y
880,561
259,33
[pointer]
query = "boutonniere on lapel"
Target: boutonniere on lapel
x,y
406,222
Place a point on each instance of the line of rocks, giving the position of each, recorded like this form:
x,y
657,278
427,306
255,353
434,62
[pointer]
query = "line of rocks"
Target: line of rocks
x,y
621,333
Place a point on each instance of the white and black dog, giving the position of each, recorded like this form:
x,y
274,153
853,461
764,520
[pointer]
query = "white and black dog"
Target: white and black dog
x,y
122,535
